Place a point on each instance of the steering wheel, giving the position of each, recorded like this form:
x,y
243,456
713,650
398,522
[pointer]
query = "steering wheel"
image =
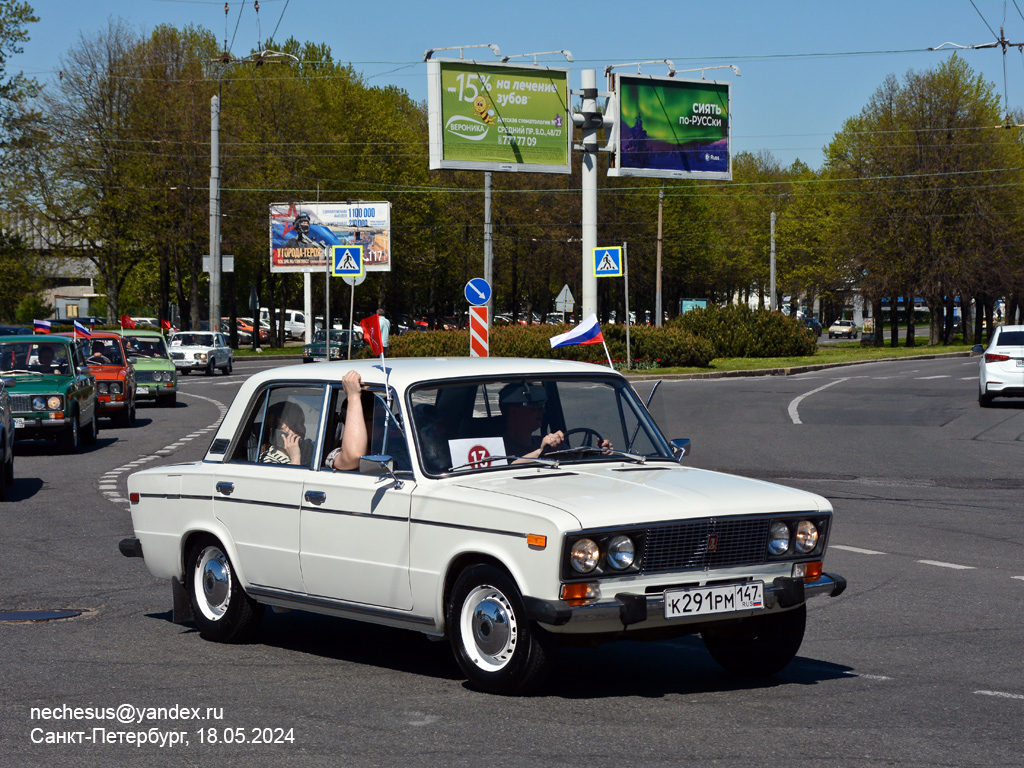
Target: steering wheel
x,y
588,435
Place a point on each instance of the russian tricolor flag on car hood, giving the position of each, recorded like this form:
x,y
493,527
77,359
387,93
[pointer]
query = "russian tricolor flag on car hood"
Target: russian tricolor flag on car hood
x,y
81,330
587,332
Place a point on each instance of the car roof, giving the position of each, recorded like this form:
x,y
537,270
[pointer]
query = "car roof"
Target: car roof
x,y
405,372
37,337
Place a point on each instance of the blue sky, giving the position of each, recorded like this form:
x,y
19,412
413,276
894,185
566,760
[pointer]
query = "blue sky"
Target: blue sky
x,y
805,65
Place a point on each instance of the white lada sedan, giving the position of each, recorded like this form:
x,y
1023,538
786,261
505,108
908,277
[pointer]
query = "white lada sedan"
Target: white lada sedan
x,y
508,505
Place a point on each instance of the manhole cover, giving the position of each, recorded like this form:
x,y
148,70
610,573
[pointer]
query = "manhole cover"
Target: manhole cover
x,y
13,616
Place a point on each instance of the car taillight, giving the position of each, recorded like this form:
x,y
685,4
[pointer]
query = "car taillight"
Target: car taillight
x,y
992,358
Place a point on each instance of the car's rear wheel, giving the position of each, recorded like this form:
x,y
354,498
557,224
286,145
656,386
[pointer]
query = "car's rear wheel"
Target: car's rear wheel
x,y
984,400
757,646
222,610
498,648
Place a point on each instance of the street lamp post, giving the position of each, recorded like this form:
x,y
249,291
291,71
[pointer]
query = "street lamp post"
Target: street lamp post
x,y
772,299
263,57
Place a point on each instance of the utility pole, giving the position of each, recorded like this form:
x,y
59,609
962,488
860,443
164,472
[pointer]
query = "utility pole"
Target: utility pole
x,y
657,279
589,119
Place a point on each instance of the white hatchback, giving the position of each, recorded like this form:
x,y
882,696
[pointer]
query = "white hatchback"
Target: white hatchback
x,y
1001,372
506,505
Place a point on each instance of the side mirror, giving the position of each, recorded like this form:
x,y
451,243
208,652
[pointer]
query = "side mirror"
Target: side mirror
x,y
977,349
378,464
680,447
83,369
9,381
132,360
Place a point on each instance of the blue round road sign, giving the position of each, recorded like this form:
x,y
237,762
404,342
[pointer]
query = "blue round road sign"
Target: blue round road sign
x,y
478,291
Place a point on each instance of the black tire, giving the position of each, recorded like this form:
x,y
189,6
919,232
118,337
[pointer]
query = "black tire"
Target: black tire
x,y
68,439
184,371
757,646
123,418
221,609
93,430
985,401
209,367
8,474
169,401
227,368
498,648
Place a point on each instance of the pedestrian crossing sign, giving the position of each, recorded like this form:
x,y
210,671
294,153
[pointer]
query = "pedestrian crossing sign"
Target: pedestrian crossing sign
x,y
608,262
347,260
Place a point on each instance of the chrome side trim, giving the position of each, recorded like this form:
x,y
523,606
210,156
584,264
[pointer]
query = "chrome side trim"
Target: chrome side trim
x,y
356,609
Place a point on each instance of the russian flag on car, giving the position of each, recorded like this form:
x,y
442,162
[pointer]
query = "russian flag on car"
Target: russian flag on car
x,y
587,332
41,326
81,330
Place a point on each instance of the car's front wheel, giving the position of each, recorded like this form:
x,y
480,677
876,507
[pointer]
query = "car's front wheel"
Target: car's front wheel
x,y
757,646
498,648
227,367
222,610
67,441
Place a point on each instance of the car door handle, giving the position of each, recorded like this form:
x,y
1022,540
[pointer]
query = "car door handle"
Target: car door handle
x,y
316,497
226,488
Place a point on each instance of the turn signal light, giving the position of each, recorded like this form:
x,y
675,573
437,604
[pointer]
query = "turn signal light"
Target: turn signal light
x,y
808,571
577,594
536,541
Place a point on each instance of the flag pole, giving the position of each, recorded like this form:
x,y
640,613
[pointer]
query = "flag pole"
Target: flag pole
x,y
606,353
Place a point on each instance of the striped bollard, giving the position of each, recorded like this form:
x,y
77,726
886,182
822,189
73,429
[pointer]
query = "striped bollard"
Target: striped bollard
x,y
479,344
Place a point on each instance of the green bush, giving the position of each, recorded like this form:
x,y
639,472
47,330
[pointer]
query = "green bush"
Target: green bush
x,y
653,347
739,331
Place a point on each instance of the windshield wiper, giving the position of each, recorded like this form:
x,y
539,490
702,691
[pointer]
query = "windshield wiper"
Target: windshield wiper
x,y
582,450
511,459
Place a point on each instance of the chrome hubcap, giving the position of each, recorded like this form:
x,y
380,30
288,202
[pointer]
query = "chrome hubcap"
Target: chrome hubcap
x,y
213,575
489,629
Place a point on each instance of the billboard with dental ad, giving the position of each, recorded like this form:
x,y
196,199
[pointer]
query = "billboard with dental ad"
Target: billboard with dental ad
x,y
299,233
498,117
671,128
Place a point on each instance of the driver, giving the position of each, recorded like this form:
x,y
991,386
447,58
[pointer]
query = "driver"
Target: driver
x,y
522,404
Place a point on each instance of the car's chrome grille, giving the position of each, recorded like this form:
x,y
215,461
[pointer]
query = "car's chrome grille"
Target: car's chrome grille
x,y
22,402
707,543
177,355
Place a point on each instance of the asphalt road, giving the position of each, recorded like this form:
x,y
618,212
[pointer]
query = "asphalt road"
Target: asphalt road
x,y
917,664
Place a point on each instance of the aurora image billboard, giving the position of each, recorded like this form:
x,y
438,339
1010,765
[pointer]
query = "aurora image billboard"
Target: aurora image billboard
x,y
498,117
300,231
671,128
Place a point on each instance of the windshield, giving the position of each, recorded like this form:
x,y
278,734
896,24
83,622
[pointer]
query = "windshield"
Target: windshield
x,y
487,424
192,340
105,352
38,357
320,337
145,346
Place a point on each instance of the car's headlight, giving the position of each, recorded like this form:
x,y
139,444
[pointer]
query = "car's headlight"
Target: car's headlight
x,y
621,552
778,538
806,536
102,387
584,555
335,352
55,403
38,403
115,388
200,355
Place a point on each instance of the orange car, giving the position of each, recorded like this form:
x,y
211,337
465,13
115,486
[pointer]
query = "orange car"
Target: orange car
x,y
115,376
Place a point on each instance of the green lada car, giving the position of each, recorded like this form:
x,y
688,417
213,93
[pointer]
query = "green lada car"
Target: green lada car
x,y
155,375
54,396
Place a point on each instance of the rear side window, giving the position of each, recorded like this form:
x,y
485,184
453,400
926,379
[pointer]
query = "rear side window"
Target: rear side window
x,y
1011,339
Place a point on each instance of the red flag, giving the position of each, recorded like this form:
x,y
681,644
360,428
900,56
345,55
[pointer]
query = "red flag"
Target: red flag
x,y
165,324
127,322
371,333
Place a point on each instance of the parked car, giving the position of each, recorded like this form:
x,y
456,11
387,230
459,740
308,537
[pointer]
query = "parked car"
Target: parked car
x,y
55,397
200,351
115,376
16,330
6,435
812,326
146,321
316,351
245,325
1001,372
155,374
449,529
294,321
843,329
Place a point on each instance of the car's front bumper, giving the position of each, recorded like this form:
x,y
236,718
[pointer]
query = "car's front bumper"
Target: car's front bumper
x,y
32,426
627,609
154,389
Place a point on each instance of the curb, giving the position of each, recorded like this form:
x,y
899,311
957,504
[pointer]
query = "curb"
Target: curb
x,y
794,370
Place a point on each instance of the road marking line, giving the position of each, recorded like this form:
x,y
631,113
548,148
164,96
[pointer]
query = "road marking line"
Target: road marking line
x,y
947,565
1021,578
925,378
793,414
1000,694
858,550
867,677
